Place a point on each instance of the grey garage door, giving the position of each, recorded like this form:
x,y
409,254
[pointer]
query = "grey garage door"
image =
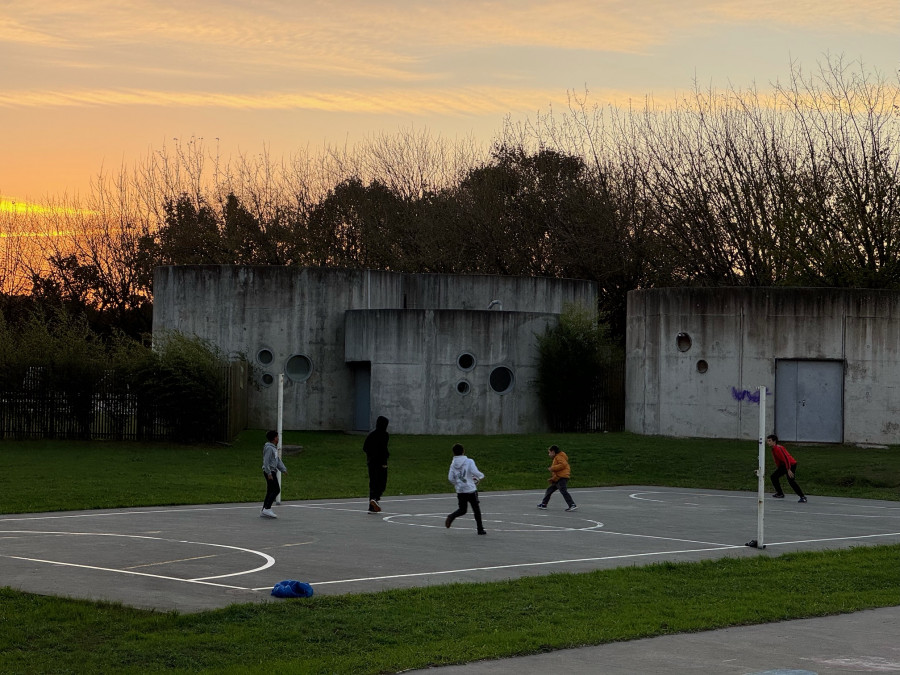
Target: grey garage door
x,y
809,400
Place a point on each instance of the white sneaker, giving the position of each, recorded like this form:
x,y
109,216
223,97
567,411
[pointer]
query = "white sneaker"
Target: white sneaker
x,y
267,513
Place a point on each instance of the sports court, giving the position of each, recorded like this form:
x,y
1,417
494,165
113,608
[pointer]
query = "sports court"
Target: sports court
x,y
193,558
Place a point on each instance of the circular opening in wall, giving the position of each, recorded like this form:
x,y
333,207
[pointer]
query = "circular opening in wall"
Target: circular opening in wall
x,y
501,379
683,342
463,388
702,366
265,356
298,368
465,361
267,379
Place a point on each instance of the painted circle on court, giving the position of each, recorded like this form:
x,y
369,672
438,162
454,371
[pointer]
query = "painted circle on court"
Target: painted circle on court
x,y
496,522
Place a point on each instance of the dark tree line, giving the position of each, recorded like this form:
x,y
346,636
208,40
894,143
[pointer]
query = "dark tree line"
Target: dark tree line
x,y
800,186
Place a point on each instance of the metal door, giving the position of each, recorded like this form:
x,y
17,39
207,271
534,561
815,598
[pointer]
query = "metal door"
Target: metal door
x,y
809,400
361,396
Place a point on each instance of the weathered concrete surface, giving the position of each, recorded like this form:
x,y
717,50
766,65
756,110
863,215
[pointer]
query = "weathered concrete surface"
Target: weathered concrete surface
x,y
404,330
740,333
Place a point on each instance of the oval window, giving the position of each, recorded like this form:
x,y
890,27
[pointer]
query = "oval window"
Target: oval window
x,y
501,379
298,368
465,361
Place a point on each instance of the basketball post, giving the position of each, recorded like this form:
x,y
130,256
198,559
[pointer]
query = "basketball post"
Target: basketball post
x,y
761,471
278,428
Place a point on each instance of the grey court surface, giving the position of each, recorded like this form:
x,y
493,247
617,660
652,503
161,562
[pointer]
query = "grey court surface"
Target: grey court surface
x,y
193,558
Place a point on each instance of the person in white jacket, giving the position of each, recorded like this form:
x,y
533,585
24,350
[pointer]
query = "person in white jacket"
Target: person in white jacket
x,y
465,476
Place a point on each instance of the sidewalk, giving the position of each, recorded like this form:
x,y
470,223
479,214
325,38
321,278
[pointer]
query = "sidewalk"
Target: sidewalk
x,y
864,642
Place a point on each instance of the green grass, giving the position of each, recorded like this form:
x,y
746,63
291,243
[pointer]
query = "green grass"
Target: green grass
x,y
396,630
402,629
83,475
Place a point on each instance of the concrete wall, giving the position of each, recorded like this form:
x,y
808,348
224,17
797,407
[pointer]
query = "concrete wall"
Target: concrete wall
x,y
414,324
416,374
740,333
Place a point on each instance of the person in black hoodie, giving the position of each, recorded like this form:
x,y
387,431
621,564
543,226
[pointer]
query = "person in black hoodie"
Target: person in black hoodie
x,y
376,449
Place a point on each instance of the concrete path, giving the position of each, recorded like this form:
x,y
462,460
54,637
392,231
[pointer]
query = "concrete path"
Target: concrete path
x,y
864,642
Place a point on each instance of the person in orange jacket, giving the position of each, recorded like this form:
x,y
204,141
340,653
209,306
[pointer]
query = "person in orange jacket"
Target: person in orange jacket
x,y
785,465
559,478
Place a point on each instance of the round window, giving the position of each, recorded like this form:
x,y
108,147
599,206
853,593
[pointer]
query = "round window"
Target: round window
x,y
265,356
702,366
501,379
298,368
267,379
463,388
465,361
683,342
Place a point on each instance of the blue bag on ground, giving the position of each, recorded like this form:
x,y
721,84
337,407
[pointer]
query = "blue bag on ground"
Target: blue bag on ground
x,y
292,589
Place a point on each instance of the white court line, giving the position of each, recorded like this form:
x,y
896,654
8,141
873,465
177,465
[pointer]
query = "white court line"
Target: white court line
x,y
513,566
128,513
129,572
550,529
815,541
651,536
773,503
169,562
269,559
635,495
574,560
594,528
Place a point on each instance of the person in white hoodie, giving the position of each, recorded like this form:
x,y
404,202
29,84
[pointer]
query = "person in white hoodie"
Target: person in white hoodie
x,y
272,464
464,476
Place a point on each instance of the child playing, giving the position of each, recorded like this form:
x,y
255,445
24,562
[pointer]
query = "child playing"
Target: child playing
x,y
559,478
272,464
784,465
464,476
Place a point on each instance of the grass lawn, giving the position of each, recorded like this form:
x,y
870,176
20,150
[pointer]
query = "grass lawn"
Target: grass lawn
x,y
84,475
396,630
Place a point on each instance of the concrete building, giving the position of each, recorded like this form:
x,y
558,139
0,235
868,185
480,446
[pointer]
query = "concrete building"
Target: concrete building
x,y
829,359
435,353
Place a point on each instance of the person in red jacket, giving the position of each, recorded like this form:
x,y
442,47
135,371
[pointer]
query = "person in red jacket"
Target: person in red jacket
x,y
785,465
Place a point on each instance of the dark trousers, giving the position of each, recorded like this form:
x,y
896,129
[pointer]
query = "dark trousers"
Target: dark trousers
x,y
377,481
781,471
464,499
273,489
561,485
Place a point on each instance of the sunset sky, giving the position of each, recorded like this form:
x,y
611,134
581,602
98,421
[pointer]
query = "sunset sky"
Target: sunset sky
x,y
91,85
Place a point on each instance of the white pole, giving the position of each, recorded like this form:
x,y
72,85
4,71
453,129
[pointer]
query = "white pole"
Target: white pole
x,y
278,428
761,471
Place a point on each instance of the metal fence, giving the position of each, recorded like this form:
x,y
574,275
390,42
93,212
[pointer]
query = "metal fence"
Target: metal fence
x,y
606,411
108,410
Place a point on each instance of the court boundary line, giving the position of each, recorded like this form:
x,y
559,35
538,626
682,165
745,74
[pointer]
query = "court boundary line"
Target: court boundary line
x,y
269,560
544,563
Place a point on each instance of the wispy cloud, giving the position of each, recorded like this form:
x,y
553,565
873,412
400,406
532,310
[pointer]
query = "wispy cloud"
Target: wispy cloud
x,y
355,42
875,17
473,100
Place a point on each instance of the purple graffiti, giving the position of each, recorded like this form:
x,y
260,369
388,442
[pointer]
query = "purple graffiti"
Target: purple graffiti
x,y
745,395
